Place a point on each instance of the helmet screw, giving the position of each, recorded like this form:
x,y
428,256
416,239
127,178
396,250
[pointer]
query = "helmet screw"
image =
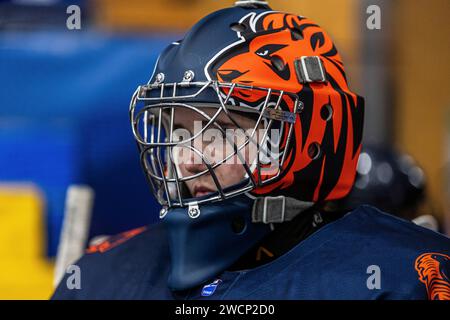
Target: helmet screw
x,y
163,212
300,106
193,211
159,78
188,76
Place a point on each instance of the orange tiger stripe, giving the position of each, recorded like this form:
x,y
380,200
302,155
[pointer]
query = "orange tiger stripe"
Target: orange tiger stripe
x,y
429,270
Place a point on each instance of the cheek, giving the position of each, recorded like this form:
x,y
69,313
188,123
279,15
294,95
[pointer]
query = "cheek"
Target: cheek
x,y
230,174
182,169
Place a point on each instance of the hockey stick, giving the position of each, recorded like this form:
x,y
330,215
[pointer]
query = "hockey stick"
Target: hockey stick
x,y
75,230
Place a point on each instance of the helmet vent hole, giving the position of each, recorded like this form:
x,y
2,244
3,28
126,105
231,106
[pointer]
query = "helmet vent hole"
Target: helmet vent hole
x,y
238,225
278,63
326,113
314,151
297,34
238,27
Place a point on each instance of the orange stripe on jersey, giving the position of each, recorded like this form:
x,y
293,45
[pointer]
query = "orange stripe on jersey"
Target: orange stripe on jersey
x,y
116,240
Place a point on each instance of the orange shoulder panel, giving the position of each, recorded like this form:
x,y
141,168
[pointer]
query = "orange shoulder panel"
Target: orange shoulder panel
x,y
116,240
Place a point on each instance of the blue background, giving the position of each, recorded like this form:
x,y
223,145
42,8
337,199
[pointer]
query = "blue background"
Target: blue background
x,y
64,100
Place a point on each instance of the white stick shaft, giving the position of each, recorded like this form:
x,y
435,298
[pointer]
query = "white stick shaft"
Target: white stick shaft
x,y
75,230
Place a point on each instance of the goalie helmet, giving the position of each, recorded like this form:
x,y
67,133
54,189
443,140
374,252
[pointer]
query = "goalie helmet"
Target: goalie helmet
x,y
278,79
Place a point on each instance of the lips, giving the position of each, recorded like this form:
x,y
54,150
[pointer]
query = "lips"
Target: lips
x,y
200,191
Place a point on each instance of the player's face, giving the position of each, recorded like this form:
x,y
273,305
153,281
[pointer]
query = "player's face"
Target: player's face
x,y
214,147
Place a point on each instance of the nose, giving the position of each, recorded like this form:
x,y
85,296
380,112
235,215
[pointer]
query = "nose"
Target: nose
x,y
194,165
194,162
228,75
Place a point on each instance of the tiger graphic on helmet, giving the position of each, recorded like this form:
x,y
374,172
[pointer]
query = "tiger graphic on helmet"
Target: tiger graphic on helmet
x,y
321,162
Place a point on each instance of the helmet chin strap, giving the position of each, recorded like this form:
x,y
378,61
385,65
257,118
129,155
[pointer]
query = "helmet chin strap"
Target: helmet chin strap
x,y
278,209
203,247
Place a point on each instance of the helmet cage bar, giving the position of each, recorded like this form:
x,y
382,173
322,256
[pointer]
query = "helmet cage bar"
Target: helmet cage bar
x,y
162,174
171,160
154,178
153,175
148,146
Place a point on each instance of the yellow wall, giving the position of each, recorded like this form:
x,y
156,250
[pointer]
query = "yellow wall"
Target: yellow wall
x,y
422,79
25,273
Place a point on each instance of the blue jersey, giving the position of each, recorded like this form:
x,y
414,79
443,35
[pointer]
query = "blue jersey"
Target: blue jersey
x,y
366,254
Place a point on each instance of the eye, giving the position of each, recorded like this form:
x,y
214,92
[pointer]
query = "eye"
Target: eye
x,y
267,50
